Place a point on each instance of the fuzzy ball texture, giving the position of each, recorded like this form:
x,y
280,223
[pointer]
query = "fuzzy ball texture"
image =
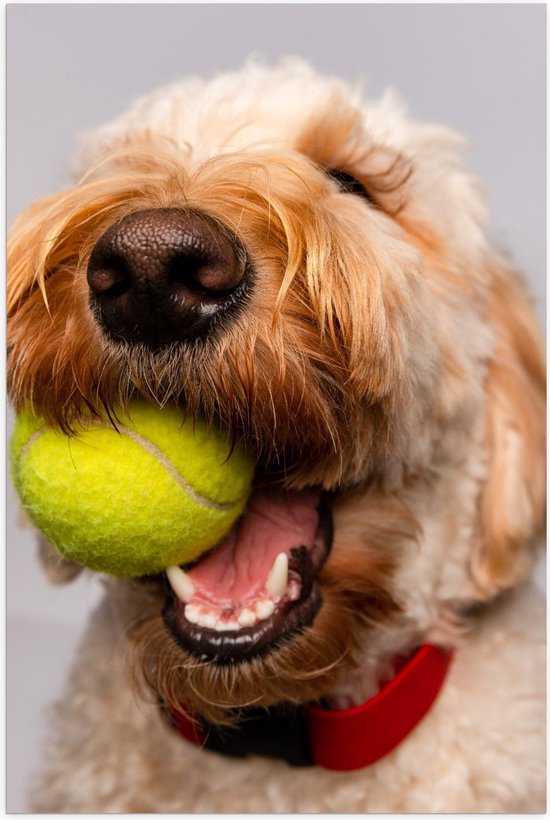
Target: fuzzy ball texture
x,y
158,490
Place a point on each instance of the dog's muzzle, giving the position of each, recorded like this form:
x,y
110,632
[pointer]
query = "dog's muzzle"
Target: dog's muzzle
x,y
165,275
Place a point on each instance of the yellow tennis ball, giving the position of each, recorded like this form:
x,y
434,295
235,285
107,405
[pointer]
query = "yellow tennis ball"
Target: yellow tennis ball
x,y
130,501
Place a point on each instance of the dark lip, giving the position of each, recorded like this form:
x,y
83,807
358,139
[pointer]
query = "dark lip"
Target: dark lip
x,y
249,642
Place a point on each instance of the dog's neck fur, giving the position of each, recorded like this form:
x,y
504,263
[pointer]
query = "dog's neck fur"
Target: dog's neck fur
x,y
432,583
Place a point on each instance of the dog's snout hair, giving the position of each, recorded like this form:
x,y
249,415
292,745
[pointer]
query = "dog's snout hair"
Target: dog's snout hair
x,y
309,354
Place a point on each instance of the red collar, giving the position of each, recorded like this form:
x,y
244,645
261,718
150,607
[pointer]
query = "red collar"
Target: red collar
x,y
343,739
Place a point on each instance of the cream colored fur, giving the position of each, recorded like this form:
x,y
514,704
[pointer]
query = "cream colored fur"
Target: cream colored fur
x,y
448,490
481,748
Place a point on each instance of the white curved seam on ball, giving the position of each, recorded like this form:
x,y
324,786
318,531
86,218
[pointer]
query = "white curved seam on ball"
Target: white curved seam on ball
x,y
29,443
153,450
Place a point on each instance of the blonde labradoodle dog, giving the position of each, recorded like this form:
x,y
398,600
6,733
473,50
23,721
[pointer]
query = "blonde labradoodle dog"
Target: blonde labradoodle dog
x,y
313,272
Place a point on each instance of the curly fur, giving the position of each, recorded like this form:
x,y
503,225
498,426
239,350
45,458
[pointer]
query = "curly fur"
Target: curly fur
x,y
387,354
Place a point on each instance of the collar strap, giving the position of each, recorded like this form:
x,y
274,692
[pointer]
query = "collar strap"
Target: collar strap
x,y
339,740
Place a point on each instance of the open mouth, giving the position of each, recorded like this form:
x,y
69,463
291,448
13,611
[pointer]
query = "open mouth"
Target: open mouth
x,y
258,586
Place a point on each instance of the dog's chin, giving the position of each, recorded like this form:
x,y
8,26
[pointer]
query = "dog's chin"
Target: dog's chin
x,y
258,588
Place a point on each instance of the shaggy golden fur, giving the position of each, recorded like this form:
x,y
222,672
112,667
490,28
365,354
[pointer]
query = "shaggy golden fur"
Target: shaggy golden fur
x,y
389,356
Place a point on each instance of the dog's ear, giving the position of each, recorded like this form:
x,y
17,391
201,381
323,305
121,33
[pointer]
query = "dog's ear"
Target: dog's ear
x,y
58,570
512,502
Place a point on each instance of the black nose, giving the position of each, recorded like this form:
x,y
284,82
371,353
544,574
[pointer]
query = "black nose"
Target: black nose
x,y
165,275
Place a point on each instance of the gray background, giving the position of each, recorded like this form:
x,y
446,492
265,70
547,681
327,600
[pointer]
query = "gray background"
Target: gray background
x,y
478,68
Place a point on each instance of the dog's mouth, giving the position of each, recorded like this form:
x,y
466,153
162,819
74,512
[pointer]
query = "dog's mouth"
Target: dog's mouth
x,y
259,586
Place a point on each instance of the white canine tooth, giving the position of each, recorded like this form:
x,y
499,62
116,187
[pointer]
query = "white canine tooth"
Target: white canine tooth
x,y
192,613
181,583
247,618
277,578
264,609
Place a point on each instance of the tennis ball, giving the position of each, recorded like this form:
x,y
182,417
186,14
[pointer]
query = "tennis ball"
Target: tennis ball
x,y
130,501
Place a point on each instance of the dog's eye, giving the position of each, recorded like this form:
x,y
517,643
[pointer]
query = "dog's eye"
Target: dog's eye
x,y
350,184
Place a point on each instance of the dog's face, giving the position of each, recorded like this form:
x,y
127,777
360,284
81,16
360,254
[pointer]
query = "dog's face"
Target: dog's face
x,y
314,277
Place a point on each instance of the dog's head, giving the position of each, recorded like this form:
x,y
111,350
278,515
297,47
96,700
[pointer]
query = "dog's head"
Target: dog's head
x,y
314,275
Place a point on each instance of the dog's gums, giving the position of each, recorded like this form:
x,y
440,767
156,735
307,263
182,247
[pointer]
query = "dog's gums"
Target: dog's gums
x,y
259,585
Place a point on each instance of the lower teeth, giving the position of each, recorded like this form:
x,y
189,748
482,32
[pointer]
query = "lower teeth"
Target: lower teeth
x,y
248,616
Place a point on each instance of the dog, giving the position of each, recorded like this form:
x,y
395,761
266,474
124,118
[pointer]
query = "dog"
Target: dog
x,y
312,272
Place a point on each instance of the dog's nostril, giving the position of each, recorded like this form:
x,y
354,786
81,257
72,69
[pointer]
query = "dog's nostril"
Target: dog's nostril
x,y
108,277
206,271
163,275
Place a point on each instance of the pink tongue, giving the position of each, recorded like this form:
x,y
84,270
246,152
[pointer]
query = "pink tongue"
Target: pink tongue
x,y
236,571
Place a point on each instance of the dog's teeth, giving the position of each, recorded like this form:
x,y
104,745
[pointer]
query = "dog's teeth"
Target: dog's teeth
x,y
294,590
226,626
181,583
209,620
192,613
247,618
264,609
277,578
